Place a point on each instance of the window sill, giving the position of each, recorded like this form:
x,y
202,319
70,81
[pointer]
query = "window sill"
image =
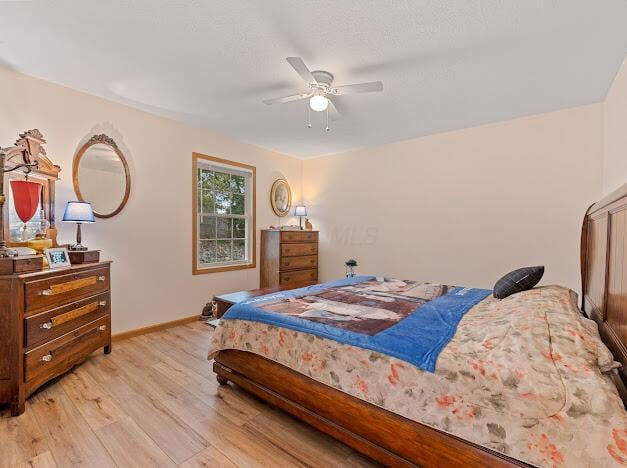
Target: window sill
x,y
217,269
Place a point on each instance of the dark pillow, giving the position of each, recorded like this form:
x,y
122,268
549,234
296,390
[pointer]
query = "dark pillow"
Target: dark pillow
x,y
517,281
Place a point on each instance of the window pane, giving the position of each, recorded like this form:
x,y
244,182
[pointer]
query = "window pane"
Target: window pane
x,y
238,184
199,200
239,249
207,227
237,204
208,202
224,228
207,252
223,252
221,181
223,202
239,228
205,178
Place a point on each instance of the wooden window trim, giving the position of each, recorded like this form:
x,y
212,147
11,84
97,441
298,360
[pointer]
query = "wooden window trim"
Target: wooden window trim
x,y
253,231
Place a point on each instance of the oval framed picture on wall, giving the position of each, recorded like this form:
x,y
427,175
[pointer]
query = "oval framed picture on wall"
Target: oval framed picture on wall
x,y
281,197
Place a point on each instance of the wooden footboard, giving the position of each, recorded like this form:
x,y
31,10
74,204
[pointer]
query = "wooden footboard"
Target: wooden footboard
x,y
377,433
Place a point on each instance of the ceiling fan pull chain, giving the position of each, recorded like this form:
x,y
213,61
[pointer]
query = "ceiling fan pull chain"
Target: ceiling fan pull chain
x,y
327,129
308,117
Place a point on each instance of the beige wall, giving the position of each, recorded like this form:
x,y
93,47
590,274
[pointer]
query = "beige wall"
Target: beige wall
x,y
462,207
150,240
615,141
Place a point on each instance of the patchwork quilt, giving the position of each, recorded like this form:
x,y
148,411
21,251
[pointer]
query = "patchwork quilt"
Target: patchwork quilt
x,y
522,375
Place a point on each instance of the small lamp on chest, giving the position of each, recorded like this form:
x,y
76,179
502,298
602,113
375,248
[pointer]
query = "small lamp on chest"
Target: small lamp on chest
x,y
350,268
300,211
79,213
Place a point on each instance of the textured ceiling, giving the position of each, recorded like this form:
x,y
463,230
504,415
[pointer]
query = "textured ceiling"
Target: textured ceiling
x,y
444,64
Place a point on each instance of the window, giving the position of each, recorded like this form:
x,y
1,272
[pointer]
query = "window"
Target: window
x,y
224,215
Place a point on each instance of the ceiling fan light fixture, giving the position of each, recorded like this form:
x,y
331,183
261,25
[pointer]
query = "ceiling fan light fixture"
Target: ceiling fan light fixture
x,y
318,103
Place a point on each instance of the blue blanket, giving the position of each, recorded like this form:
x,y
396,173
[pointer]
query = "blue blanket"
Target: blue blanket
x,y
418,338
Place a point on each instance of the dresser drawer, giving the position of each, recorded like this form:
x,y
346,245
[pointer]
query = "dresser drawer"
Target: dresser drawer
x,y
299,236
59,355
53,323
299,263
52,292
298,276
295,250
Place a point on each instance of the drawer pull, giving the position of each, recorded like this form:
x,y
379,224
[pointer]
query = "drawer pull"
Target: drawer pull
x,y
46,292
46,326
102,328
46,358
102,303
102,278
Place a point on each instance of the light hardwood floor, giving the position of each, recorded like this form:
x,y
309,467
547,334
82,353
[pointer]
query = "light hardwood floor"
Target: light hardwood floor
x,y
155,402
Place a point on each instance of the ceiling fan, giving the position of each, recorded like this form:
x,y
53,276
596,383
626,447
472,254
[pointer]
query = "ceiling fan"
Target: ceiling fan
x,y
321,91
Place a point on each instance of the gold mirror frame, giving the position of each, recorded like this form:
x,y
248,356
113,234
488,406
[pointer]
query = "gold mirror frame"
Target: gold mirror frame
x,y
275,186
108,141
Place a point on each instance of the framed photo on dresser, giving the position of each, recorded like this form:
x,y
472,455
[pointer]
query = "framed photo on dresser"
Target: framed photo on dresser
x,y
57,257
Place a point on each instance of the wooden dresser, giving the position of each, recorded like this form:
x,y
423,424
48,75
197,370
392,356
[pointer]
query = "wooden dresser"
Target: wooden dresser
x,y
50,321
288,257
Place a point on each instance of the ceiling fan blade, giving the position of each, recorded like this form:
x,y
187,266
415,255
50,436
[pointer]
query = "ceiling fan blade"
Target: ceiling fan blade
x,y
372,86
300,67
281,100
334,112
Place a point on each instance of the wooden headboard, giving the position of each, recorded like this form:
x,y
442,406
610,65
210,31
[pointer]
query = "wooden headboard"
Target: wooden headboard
x,y
604,274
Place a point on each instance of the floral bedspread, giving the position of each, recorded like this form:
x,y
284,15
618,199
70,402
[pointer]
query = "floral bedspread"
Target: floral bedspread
x,y
522,376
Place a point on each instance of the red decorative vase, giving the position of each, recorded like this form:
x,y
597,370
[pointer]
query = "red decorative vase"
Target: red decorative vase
x,y
25,198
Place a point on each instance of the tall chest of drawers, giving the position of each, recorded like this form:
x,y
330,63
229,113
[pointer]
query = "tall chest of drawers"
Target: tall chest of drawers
x,y
50,321
288,257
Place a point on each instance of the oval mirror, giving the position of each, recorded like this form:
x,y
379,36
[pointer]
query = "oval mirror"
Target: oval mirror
x,y
101,176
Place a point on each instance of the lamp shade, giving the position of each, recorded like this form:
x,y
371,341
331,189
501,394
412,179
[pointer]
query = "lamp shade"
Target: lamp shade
x,y
25,198
79,212
300,210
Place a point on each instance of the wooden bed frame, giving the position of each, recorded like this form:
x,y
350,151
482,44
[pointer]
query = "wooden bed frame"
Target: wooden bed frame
x,y
396,441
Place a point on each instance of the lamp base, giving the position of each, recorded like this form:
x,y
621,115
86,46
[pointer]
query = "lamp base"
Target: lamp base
x,y
39,245
78,246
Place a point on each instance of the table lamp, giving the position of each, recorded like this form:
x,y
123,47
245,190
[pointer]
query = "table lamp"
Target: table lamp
x,y
78,212
300,211
350,268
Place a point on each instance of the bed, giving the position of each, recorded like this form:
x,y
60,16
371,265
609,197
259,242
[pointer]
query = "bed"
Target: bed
x,y
483,405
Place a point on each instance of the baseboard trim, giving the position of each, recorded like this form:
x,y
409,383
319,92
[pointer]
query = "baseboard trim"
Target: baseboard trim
x,y
154,328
